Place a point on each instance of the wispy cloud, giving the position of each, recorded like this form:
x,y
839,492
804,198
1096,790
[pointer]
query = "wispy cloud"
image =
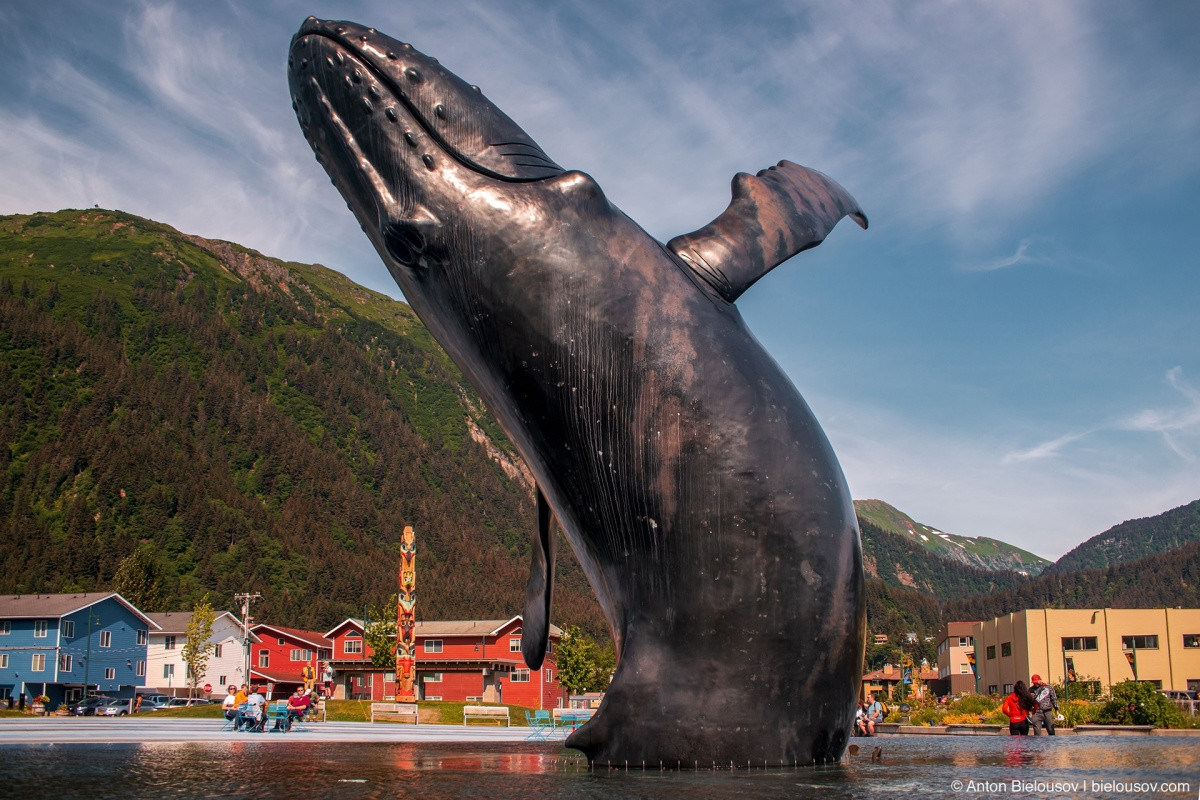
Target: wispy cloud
x,y
1178,426
1044,450
1021,256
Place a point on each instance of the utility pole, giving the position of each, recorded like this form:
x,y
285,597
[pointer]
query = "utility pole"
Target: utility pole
x,y
246,600
87,660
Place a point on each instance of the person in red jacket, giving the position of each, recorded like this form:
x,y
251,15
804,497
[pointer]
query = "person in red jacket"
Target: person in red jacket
x,y
1017,707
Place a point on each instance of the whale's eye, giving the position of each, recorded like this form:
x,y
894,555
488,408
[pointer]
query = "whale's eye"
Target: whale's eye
x,y
404,242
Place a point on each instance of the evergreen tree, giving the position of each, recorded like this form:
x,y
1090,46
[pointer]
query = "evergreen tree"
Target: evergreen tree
x,y
139,579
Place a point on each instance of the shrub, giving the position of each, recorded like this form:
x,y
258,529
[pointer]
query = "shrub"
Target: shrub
x,y
1078,712
973,704
1136,703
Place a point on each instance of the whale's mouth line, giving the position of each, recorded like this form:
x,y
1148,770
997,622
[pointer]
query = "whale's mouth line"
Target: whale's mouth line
x,y
387,83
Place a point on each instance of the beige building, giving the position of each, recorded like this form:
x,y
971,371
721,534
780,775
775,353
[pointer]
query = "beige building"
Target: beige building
x,y
955,643
1102,645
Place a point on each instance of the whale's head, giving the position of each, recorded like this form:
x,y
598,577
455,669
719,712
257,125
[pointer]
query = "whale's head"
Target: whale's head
x,y
410,146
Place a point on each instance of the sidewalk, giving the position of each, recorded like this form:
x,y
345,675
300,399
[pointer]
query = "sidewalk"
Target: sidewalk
x,y
90,730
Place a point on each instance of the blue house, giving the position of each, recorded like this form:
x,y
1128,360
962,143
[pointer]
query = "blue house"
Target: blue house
x,y
56,644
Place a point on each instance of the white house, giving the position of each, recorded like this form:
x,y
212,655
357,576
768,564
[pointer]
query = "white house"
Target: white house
x,y
166,671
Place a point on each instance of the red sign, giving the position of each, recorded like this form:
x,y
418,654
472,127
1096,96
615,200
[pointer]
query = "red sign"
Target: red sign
x,y
208,688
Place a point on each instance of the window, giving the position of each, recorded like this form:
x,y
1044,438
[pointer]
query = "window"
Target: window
x,y
281,641
520,676
65,662
1008,687
352,647
433,645
964,669
106,638
433,677
1079,643
68,628
514,644
1139,642
433,697
306,655
3,660
962,641
991,651
1006,650
548,675
1155,684
264,659
142,636
549,647
169,643
1191,640
39,662
993,688
168,670
141,669
5,627
110,673
39,629
1193,684
217,653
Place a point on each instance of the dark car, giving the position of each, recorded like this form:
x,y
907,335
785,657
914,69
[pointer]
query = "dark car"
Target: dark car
x,y
153,702
87,706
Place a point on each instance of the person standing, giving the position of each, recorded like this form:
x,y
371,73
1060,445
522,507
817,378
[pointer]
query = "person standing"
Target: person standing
x,y
1047,705
309,676
1017,707
327,678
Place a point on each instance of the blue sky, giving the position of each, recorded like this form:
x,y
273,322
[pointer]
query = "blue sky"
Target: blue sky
x,y
1013,348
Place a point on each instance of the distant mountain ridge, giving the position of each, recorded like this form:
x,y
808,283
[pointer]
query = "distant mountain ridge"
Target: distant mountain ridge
x,y
981,552
1134,539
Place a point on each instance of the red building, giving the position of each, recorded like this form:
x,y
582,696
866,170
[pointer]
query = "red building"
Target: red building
x,y
465,661
279,655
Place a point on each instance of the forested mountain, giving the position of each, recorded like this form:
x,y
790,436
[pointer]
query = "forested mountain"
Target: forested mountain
x,y
1165,579
903,564
990,554
180,416
1134,539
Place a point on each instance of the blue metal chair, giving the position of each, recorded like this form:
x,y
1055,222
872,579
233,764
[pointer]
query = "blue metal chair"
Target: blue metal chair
x,y
540,724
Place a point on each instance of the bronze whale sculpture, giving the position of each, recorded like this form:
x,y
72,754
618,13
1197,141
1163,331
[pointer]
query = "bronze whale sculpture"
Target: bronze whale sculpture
x,y
690,478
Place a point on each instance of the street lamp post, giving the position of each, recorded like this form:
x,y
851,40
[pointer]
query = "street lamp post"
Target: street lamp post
x,y
87,659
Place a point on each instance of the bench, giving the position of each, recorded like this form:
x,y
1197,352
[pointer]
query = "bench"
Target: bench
x,y
394,711
486,713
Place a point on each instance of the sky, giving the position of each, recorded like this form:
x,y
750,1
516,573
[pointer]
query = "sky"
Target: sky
x,y
1011,350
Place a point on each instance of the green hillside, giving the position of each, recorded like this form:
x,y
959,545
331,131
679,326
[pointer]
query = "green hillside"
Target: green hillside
x,y
213,420
981,552
1135,539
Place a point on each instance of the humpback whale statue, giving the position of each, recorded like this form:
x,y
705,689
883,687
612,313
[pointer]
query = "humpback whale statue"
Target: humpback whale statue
x,y
690,478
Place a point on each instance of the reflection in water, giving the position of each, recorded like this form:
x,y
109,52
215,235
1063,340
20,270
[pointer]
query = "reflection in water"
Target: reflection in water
x,y
926,765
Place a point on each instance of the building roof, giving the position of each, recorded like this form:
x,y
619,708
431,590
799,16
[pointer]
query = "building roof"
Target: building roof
x,y
470,627
895,674
26,606
176,622
267,675
307,637
447,628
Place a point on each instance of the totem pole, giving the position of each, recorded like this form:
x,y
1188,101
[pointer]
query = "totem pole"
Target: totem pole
x,y
406,602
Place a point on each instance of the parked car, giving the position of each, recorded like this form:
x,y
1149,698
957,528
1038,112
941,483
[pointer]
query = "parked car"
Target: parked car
x,y
1177,694
87,706
115,707
153,702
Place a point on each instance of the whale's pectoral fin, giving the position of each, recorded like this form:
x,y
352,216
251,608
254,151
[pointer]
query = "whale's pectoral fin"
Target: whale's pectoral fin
x,y
536,624
773,216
